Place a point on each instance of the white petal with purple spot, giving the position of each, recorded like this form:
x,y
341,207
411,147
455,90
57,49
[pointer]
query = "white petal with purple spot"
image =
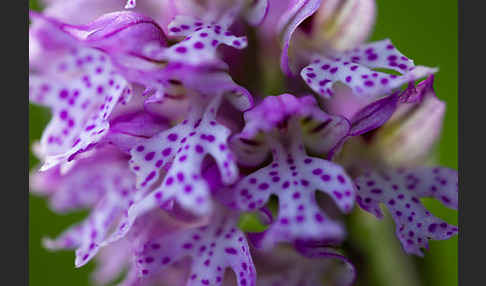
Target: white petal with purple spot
x,y
400,190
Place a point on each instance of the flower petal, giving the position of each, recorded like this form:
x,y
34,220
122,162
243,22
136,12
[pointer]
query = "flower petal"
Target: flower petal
x,y
98,225
373,115
353,68
292,18
321,132
400,191
111,262
284,266
117,32
213,248
114,258
207,82
112,184
131,129
293,177
122,31
200,43
413,130
342,26
185,147
82,90
84,185
180,151
257,12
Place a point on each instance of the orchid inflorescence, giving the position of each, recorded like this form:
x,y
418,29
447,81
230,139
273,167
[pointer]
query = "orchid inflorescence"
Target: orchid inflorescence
x,y
153,133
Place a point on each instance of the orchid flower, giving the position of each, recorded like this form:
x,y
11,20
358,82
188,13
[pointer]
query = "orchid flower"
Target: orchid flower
x,y
294,176
154,133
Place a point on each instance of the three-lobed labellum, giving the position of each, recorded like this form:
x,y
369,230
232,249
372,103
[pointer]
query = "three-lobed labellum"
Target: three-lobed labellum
x,y
400,190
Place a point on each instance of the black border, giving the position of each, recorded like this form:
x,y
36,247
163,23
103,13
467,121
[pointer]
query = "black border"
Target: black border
x,y
471,171
14,138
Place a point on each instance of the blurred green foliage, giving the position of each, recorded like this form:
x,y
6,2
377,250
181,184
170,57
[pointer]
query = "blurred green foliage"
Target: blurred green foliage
x,y
423,30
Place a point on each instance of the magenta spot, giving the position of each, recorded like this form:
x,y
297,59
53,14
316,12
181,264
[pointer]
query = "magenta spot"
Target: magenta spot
x,y
372,57
341,179
149,156
376,191
63,94
337,194
90,127
369,83
166,151
187,245
432,227
181,50
199,149
199,45
402,66
263,186
150,176
230,250
325,177
324,82
165,260
149,259
188,189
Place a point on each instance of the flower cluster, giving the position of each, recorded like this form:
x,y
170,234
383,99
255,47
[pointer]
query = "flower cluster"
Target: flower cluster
x,y
153,133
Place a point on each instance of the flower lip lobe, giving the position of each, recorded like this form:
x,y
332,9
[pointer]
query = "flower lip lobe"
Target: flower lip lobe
x,y
212,248
399,191
360,77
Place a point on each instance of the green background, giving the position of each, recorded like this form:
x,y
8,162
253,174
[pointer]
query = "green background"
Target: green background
x,y
425,31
